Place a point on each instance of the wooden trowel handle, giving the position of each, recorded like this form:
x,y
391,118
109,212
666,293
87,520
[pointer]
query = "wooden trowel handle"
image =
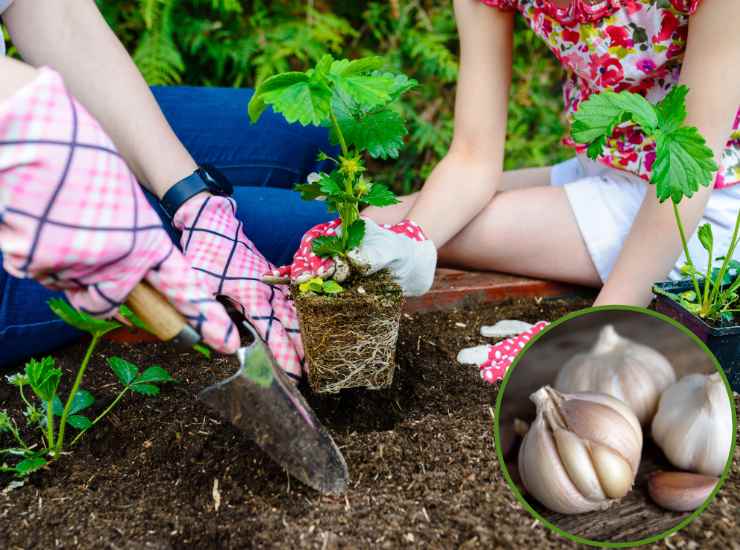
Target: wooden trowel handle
x,y
164,321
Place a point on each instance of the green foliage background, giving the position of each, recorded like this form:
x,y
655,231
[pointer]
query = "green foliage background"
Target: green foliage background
x,y
242,42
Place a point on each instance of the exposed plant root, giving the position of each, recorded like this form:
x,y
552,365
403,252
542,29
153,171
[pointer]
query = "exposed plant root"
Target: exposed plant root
x,y
350,340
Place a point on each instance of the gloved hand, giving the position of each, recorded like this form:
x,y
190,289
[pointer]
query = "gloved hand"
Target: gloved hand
x,y
214,242
494,360
73,217
402,248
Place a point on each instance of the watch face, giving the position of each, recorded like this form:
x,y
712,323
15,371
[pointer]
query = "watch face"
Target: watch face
x,y
217,183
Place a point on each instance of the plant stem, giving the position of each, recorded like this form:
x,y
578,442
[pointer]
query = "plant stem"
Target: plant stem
x,y
340,135
728,258
50,425
682,232
68,405
708,283
101,415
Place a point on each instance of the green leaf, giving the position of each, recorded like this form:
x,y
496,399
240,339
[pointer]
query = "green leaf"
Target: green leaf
x,y
204,350
79,422
6,424
345,67
155,374
683,162
330,187
18,379
80,320
43,377
380,134
706,238
273,85
327,246
600,113
313,285
355,234
30,465
401,85
132,318
332,287
125,372
380,195
305,101
309,191
672,109
82,400
145,389
596,147
365,92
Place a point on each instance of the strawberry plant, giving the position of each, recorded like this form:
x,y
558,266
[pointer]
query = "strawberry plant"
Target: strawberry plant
x,y
50,413
354,99
683,162
349,333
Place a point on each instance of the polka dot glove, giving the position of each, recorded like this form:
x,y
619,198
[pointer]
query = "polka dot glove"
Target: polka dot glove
x,y
216,245
402,248
494,360
73,217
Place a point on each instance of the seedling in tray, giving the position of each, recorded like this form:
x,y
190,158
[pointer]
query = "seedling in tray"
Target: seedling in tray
x,y
349,331
683,162
48,412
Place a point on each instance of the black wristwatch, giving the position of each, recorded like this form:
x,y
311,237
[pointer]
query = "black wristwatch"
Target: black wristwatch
x,y
205,178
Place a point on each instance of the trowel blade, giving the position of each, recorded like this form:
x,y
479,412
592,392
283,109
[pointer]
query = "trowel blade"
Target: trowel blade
x,y
261,401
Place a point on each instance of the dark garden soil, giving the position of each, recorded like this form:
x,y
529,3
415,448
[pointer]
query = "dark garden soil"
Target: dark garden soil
x,y
165,473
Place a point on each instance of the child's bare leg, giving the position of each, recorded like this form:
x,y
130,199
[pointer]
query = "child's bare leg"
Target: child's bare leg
x,y
529,232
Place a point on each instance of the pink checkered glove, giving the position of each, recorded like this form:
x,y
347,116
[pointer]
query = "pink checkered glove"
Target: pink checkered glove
x,y
494,360
402,248
214,242
73,217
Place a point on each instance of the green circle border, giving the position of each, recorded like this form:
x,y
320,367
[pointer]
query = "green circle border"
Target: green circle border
x,y
518,494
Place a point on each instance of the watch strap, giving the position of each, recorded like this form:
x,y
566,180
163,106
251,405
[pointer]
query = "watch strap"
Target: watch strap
x,y
203,179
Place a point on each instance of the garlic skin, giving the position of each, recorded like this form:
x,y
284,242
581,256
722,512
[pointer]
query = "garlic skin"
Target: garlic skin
x,y
581,452
631,372
693,425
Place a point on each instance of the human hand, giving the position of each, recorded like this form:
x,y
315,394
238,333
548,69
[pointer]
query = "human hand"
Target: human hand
x,y
494,360
402,248
213,240
73,217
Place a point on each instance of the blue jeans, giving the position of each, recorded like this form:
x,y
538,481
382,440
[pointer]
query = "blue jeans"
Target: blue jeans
x,y
263,161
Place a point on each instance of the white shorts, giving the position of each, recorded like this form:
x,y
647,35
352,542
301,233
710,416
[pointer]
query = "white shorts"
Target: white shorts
x,y
605,202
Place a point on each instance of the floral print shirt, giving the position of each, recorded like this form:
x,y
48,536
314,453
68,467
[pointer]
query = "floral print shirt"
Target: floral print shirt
x,y
634,45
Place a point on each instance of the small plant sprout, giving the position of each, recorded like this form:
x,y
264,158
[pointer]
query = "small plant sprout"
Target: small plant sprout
x,y
50,413
354,99
683,162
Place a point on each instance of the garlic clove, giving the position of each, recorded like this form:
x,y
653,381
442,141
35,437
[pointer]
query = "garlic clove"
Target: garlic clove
x,y
680,491
545,477
601,423
615,473
578,463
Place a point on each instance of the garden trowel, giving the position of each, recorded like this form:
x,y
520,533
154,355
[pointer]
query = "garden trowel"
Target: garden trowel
x,y
259,399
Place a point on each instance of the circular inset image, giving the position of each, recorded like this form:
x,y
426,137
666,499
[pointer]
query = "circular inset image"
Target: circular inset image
x,y
615,427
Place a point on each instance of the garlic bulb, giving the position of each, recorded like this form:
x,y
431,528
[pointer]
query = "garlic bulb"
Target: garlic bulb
x,y
693,425
581,451
617,366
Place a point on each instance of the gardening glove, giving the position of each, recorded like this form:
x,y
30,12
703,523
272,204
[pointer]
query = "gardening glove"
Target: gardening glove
x,y
217,247
73,217
402,248
494,360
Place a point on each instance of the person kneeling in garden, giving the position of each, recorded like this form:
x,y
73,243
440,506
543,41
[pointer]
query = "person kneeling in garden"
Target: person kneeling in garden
x,y
76,137
591,222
